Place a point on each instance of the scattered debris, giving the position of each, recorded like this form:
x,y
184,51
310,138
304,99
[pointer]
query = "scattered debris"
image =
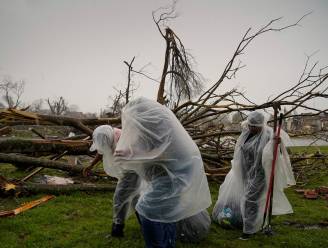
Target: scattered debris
x,y
311,194
25,206
55,180
6,187
58,189
321,192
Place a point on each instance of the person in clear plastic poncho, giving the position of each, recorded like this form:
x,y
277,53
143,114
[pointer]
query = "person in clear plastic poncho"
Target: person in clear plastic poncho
x,y
127,189
156,146
192,229
241,200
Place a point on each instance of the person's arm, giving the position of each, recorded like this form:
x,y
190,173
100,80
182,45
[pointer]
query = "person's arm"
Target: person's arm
x,y
86,170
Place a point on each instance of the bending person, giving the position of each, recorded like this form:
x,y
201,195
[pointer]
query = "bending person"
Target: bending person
x,y
156,146
127,189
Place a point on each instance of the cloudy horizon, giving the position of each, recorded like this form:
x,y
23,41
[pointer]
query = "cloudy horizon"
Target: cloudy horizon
x,y
76,49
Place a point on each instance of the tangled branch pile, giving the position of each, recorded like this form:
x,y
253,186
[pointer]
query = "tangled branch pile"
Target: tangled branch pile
x,y
205,117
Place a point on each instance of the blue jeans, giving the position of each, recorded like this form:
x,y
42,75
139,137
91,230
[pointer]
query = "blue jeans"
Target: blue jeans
x,y
158,234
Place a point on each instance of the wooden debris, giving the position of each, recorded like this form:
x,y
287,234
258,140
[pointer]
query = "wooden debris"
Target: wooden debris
x,y
25,161
5,130
25,206
37,170
311,194
68,188
321,192
42,147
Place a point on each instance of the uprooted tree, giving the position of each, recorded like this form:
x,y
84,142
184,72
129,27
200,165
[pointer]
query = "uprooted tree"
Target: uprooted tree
x,y
180,89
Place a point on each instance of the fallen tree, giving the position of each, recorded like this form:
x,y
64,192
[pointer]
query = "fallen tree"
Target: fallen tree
x,y
14,117
36,188
193,112
25,162
42,147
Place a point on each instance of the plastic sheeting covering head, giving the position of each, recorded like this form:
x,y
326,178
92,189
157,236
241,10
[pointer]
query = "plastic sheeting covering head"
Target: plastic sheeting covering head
x,y
104,143
103,139
255,119
242,195
156,146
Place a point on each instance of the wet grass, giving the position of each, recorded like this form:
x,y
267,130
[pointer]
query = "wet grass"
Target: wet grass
x,y
84,220
309,149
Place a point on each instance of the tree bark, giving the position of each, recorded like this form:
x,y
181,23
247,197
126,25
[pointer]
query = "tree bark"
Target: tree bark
x,y
160,93
12,117
44,147
25,161
5,130
69,188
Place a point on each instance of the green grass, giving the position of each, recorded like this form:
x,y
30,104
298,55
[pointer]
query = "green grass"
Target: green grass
x,y
309,149
315,171
84,220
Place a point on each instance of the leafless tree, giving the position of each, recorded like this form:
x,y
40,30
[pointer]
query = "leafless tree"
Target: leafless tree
x,y
312,84
12,92
210,104
178,75
58,106
130,68
116,103
36,105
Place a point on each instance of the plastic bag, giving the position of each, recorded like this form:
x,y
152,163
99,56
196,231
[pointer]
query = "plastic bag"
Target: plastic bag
x,y
195,228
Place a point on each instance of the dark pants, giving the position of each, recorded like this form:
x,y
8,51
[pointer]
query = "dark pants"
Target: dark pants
x,y
125,196
158,234
252,200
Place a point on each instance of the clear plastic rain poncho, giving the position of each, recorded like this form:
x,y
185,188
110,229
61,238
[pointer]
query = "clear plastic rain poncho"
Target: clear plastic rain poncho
x,y
104,142
156,146
241,200
195,228
128,186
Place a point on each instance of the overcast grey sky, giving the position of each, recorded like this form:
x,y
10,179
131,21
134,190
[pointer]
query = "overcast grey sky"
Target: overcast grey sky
x,y
76,48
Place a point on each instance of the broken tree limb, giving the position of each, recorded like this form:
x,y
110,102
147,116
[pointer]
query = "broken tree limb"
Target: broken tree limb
x,y
5,130
37,170
44,147
37,133
25,161
12,117
26,206
60,189
213,134
212,157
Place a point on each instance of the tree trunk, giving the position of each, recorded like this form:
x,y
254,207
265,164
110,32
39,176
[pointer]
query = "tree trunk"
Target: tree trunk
x,y
26,161
12,117
5,130
60,189
41,147
160,93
